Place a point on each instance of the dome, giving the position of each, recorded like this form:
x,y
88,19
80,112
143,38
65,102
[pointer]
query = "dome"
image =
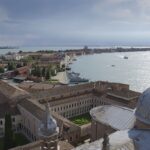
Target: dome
x,y
142,112
48,126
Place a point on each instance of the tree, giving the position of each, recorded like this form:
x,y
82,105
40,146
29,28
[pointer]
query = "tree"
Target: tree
x,y
1,70
43,71
53,72
18,65
38,71
8,138
11,66
48,74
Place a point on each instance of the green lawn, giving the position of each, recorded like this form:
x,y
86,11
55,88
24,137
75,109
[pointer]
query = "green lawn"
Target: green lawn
x,y
20,139
82,119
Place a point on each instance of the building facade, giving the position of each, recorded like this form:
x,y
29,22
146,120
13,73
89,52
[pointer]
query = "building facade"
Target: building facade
x,y
64,103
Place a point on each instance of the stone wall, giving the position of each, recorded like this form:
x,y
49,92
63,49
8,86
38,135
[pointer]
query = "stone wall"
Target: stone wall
x,y
98,130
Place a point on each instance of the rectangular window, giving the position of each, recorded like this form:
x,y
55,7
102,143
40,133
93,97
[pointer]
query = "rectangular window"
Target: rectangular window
x,y
13,119
1,122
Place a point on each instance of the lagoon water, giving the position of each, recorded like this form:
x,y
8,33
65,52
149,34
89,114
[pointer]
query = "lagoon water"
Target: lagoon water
x,y
112,67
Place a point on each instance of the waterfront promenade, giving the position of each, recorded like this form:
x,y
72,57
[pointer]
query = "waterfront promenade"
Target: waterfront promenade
x,y
62,77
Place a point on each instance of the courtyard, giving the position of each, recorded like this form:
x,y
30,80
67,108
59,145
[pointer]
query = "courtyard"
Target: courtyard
x,y
82,119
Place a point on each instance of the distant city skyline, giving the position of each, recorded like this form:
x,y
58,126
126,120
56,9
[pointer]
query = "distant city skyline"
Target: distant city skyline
x,y
75,22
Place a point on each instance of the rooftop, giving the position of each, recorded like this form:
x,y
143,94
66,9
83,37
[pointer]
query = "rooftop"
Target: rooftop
x,y
122,140
11,91
125,95
30,86
5,107
34,109
119,118
3,98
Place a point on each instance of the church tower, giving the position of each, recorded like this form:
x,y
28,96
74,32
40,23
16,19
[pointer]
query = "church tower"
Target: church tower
x,y
48,130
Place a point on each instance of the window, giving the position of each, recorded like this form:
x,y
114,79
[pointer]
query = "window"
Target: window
x,y
1,122
70,138
76,136
13,119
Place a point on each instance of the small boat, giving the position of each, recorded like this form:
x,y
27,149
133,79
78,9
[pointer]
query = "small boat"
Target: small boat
x,y
74,59
75,79
125,57
75,74
68,68
78,80
113,65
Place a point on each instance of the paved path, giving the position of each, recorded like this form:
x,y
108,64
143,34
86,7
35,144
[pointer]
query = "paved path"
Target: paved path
x,y
62,77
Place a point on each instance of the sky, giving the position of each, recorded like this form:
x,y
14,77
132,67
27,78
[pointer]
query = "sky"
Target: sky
x,y
74,22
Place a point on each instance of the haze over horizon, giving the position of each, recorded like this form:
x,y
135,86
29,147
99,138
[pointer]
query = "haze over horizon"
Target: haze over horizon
x,y
74,22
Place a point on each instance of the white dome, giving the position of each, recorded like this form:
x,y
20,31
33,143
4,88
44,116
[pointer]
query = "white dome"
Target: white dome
x,y
48,126
142,112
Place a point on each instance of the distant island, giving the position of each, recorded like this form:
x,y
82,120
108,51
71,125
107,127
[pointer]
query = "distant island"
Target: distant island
x,y
9,47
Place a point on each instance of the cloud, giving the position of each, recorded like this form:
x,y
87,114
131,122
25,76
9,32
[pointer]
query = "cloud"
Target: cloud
x,y
68,21
144,4
122,14
3,15
118,8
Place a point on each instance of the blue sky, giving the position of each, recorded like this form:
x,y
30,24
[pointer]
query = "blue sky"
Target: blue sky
x,y
75,22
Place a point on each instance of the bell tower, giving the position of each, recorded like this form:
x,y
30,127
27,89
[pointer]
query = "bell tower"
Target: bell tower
x,y
48,131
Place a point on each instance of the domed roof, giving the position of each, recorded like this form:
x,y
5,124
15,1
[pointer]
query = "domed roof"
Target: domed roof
x,y
48,125
142,112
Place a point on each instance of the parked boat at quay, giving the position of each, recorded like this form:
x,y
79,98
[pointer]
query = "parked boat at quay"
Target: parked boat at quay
x,y
75,79
125,57
68,68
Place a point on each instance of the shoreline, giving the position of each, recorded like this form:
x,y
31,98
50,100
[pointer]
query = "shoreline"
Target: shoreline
x,y
89,50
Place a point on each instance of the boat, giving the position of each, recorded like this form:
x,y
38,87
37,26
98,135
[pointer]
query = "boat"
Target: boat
x,y
113,65
125,57
73,73
74,59
75,79
68,68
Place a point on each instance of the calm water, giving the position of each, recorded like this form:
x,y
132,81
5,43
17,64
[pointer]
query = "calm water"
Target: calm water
x,y
134,71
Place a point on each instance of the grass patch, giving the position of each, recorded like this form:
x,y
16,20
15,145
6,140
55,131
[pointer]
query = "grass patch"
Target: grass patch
x,y
54,80
51,81
20,139
82,119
